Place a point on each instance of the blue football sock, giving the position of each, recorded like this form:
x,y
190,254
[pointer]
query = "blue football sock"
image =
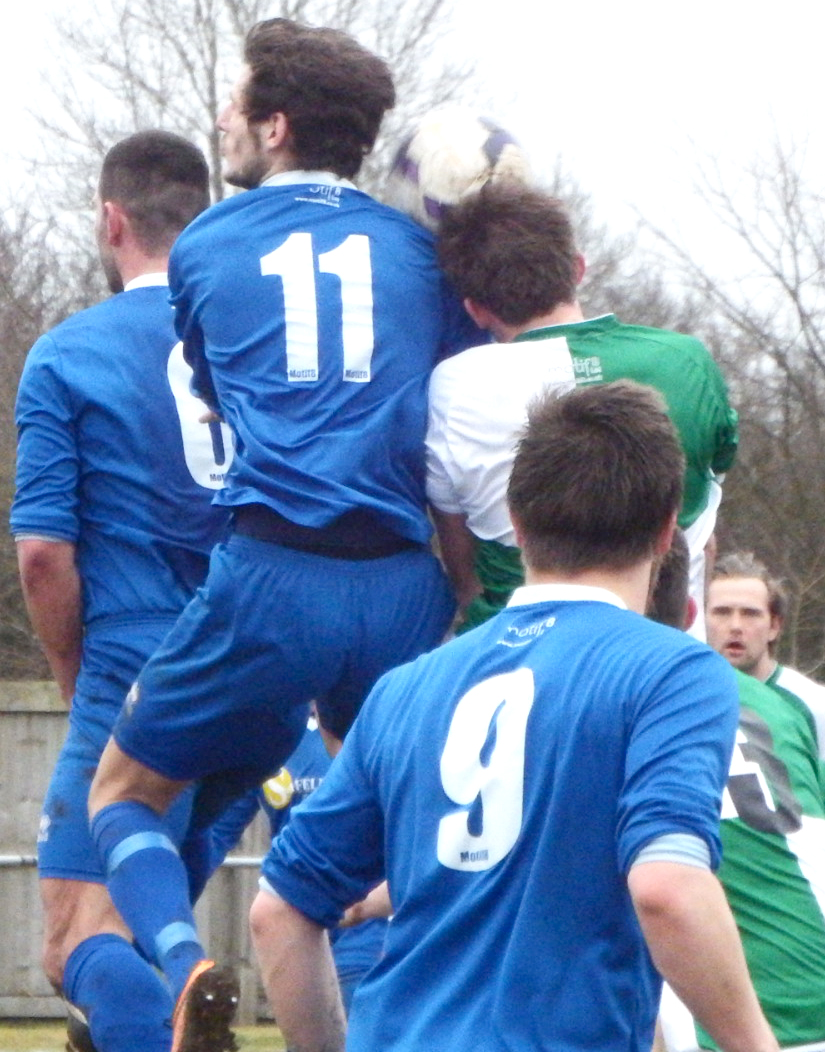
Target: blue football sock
x,y
127,1005
149,886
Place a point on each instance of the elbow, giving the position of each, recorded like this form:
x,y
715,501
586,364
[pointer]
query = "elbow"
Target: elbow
x,y
665,889
271,917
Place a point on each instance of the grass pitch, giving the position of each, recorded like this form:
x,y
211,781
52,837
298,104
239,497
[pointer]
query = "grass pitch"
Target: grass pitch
x,y
28,1036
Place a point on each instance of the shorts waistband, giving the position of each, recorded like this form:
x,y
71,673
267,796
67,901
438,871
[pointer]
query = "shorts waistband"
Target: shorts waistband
x,y
355,535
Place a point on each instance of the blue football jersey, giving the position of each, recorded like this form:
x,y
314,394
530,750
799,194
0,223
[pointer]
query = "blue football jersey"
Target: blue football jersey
x,y
112,457
313,315
505,782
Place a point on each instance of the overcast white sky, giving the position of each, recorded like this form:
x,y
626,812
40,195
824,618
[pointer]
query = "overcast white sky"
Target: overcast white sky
x,y
631,93
634,93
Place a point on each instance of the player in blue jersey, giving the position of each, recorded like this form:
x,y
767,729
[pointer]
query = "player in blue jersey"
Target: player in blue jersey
x,y
113,521
313,316
542,793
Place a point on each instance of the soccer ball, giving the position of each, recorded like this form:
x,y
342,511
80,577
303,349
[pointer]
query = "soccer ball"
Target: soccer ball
x,y
449,153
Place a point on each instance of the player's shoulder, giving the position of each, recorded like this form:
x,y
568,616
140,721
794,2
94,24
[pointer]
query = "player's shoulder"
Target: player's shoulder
x,y
211,219
467,366
784,711
95,326
756,694
681,343
795,682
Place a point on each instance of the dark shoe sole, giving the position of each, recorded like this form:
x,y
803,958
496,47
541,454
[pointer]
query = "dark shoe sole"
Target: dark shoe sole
x,y
205,1010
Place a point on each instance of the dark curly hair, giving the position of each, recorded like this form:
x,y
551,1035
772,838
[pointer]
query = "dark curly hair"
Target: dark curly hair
x,y
333,91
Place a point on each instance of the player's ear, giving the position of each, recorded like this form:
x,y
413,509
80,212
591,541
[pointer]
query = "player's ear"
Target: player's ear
x,y
485,319
517,530
275,132
665,538
580,268
114,222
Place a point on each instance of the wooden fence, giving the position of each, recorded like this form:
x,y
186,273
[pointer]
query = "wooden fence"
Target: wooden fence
x,y
32,726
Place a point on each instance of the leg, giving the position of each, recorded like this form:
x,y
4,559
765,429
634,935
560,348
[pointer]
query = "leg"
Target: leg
x,y
126,803
88,954
74,910
222,702
89,957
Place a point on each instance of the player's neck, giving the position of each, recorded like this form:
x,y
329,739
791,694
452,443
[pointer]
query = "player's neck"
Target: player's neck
x,y
631,585
564,314
135,266
764,668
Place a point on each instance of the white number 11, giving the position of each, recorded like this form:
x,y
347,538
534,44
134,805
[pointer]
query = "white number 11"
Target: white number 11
x,y
294,263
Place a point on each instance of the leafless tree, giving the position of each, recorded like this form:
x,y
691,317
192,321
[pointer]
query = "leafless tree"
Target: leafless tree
x,y
169,64
619,278
770,333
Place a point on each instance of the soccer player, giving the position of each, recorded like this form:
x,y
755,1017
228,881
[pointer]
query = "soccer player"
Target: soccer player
x,y
772,832
542,793
511,253
746,611
113,521
313,316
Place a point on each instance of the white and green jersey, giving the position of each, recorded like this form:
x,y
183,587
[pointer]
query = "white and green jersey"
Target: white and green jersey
x,y
682,370
807,691
478,404
773,866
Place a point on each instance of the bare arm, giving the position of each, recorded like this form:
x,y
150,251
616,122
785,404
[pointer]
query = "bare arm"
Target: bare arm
x,y
299,975
458,549
51,589
694,943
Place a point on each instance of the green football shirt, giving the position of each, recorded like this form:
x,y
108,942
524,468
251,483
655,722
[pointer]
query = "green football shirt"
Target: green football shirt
x,y
773,868
682,370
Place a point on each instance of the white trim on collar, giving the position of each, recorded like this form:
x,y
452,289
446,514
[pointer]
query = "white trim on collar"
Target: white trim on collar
x,y
564,593
300,176
147,281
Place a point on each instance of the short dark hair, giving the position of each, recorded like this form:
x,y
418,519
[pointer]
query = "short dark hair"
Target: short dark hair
x,y
668,600
596,477
511,249
333,91
162,182
745,564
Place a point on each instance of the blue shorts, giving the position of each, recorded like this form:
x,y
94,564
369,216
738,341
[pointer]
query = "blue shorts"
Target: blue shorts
x,y
226,694
115,649
64,846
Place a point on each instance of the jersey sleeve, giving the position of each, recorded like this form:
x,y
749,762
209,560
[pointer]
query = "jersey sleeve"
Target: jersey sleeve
x,y
190,334
46,493
331,852
441,490
678,754
727,425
